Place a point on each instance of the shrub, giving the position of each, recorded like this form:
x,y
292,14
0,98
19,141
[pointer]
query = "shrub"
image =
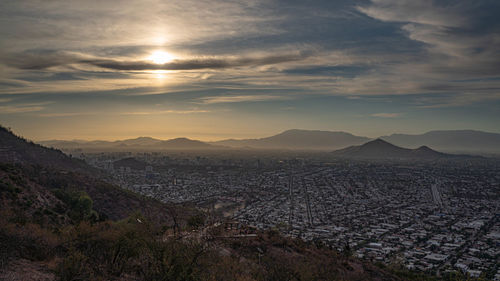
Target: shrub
x,y
74,267
196,221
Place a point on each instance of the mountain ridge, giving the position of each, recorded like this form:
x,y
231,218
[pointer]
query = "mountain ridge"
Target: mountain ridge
x,y
450,141
135,143
298,139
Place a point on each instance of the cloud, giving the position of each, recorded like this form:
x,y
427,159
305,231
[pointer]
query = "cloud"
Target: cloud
x,y
422,12
40,59
457,61
192,111
348,71
153,22
48,59
11,83
66,114
8,109
459,36
386,115
154,112
24,107
240,98
455,100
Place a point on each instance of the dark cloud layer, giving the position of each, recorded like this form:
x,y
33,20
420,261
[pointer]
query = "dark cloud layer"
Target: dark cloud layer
x,y
44,60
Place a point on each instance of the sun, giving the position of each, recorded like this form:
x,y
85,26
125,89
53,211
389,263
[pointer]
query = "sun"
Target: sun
x,y
160,57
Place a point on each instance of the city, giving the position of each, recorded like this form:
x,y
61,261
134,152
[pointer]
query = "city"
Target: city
x,y
435,217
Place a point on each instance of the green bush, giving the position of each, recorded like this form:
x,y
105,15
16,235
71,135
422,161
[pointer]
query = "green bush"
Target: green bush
x,y
79,203
196,221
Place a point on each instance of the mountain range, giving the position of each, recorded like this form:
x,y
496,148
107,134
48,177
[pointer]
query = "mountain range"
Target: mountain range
x,y
452,141
299,139
140,143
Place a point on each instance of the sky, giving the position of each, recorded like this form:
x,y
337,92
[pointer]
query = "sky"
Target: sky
x,y
212,69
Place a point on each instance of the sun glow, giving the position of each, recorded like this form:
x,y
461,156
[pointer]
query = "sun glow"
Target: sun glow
x,y
160,74
160,57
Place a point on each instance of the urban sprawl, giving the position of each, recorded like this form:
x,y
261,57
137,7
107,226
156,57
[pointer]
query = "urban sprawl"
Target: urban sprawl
x,y
428,216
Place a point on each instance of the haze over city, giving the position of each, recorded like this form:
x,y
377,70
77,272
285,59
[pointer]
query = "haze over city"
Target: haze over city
x,y
212,70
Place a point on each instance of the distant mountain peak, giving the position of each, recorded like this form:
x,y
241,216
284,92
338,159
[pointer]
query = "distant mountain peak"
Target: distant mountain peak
x,y
185,143
381,149
424,147
180,139
304,131
183,140
378,142
144,138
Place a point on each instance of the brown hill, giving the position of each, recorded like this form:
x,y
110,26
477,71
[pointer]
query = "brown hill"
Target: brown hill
x,y
14,149
52,170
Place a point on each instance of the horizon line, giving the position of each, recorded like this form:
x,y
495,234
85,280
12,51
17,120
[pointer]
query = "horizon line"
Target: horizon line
x,y
248,138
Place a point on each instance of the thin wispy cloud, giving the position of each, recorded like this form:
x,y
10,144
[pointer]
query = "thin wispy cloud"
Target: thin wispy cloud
x,y
66,114
460,100
425,12
191,111
456,37
7,109
386,115
242,98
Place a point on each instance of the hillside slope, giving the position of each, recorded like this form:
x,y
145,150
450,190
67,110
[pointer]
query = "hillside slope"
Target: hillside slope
x,y
53,170
14,149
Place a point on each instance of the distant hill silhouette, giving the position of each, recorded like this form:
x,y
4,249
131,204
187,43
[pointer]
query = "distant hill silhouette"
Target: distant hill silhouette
x,y
299,139
457,141
380,149
460,141
184,143
140,143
